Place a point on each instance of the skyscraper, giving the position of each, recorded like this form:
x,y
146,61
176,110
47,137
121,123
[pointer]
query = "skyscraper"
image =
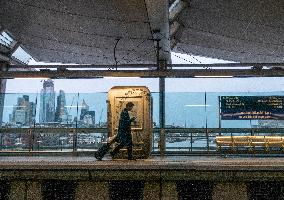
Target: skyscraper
x,y
61,111
87,117
23,112
47,102
84,109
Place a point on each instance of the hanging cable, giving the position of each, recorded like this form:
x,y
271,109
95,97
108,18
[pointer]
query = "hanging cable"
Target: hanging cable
x,y
147,53
51,27
77,44
190,55
222,15
183,59
114,52
75,14
229,36
250,21
133,50
241,52
69,52
195,59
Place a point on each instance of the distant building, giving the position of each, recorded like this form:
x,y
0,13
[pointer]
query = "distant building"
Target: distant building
x,y
271,123
87,117
47,102
23,112
20,117
84,109
61,114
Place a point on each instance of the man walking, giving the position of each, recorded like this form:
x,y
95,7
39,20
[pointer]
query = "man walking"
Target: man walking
x,y
124,137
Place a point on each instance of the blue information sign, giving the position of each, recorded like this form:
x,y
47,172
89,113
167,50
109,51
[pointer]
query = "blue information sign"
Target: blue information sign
x,y
252,107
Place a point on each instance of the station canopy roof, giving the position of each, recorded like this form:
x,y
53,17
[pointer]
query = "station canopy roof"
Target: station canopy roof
x,y
128,31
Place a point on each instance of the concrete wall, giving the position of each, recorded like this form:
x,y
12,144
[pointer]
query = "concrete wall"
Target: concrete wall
x,y
107,182
154,190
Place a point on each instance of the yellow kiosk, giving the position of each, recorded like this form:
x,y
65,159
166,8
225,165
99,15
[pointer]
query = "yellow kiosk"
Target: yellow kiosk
x,y
141,129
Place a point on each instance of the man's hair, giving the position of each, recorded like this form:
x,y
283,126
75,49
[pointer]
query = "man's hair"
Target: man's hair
x,y
129,104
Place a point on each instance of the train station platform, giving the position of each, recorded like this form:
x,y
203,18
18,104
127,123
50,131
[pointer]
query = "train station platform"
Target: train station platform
x,y
198,163
168,177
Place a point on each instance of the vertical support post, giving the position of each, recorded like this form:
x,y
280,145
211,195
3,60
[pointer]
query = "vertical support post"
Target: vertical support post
x,y
158,50
31,140
219,115
206,123
3,67
74,141
191,141
162,115
75,133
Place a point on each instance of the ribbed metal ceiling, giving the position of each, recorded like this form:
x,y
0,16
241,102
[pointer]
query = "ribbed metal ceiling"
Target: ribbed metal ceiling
x,y
122,32
239,30
85,31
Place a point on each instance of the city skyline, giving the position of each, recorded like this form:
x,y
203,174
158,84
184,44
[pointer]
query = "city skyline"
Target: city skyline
x,y
24,112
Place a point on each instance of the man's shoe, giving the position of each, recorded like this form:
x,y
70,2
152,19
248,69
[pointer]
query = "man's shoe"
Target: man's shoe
x,y
98,157
112,154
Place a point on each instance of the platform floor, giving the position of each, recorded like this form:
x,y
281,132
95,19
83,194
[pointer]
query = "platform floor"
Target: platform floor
x,y
154,162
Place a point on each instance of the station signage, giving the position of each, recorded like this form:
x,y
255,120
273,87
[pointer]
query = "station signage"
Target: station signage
x,y
252,107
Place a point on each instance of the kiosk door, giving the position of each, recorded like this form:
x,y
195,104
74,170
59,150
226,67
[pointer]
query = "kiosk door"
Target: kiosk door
x,y
141,128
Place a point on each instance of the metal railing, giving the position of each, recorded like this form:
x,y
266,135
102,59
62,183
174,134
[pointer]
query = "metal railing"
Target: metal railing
x,y
76,140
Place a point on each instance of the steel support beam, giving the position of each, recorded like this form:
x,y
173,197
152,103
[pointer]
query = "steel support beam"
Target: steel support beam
x,y
162,115
3,67
5,58
158,14
174,27
14,46
147,66
173,73
18,63
176,8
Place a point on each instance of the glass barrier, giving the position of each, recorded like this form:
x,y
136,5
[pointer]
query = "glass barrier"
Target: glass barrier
x,y
14,141
67,122
201,110
190,141
90,141
50,141
155,142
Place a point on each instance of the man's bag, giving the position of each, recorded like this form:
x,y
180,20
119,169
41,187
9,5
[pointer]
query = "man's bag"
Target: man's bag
x,y
102,151
112,139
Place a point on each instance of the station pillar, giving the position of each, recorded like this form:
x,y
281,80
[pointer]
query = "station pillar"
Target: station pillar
x,y
22,190
87,190
3,67
230,190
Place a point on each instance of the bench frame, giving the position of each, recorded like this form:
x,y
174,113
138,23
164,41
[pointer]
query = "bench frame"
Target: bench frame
x,y
250,144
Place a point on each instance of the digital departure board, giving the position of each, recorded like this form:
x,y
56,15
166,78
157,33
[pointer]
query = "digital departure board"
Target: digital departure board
x,y
252,107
